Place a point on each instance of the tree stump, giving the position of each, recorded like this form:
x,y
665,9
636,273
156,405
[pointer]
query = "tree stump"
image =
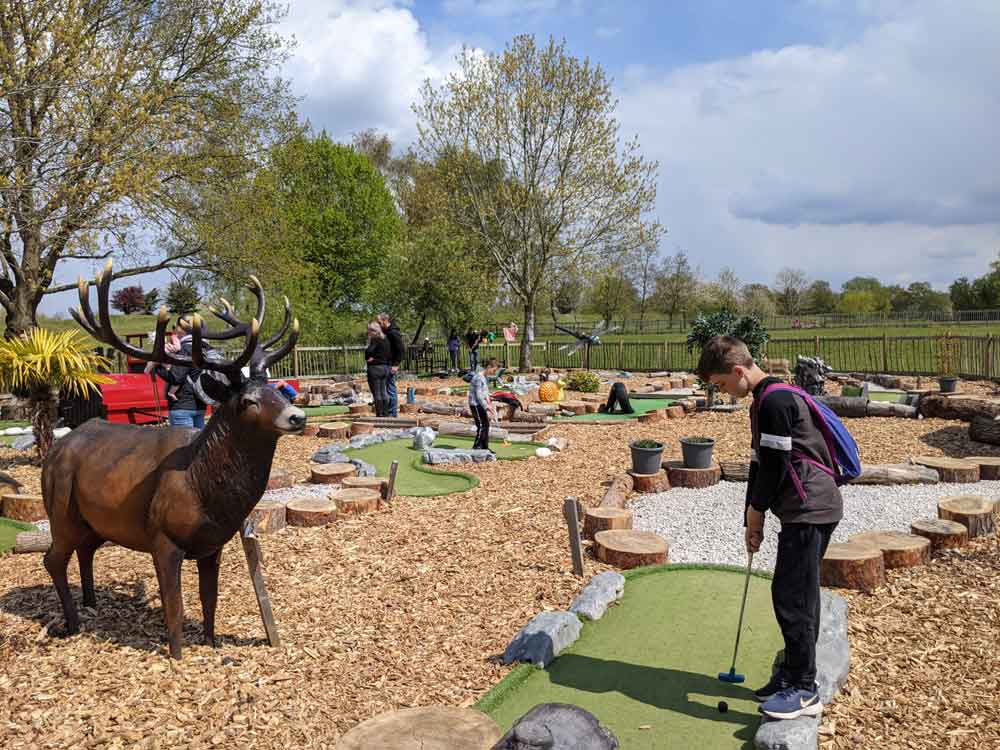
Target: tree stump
x,y
942,534
32,541
647,483
577,407
27,508
694,478
361,428
899,550
653,417
409,408
336,430
852,566
618,491
675,412
331,473
430,728
989,466
378,484
280,479
268,516
593,398
974,512
628,549
951,470
735,471
605,519
310,511
359,410
591,407
357,501
310,430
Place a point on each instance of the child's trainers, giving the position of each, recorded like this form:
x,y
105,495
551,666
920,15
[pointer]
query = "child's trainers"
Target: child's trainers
x,y
775,685
791,703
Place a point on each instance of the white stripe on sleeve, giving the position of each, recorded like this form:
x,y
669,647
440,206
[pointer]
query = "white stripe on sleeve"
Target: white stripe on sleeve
x,y
753,456
778,442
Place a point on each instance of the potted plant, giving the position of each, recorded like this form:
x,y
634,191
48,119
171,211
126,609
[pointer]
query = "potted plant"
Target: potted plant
x,y
647,456
697,452
947,354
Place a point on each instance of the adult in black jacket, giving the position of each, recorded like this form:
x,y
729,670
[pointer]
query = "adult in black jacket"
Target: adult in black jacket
x,y
184,408
378,356
397,348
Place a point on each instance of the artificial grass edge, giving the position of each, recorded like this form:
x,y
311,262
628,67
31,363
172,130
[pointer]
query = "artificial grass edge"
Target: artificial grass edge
x,y
513,680
20,526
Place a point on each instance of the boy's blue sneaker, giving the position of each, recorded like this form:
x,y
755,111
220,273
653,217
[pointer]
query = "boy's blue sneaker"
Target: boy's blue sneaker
x,y
791,703
775,685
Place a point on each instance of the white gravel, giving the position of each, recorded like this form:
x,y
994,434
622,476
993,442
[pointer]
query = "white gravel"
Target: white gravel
x,y
706,525
286,494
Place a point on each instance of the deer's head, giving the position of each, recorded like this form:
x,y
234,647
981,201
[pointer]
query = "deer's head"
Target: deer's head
x,y
237,385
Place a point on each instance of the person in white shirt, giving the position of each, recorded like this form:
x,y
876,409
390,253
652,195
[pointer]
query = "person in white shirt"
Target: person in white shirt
x,y
481,404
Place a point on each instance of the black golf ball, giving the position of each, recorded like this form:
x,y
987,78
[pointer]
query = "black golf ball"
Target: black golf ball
x,y
723,707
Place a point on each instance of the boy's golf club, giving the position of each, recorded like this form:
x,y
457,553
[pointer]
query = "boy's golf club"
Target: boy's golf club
x,y
731,675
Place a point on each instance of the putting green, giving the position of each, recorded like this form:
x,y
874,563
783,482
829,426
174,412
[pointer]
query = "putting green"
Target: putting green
x,y
416,479
640,405
648,670
324,411
9,529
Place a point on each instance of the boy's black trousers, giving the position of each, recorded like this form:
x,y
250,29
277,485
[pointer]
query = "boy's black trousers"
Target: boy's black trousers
x,y
795,595
482,427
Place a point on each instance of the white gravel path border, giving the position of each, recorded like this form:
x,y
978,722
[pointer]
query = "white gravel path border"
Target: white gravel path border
x,y
706,525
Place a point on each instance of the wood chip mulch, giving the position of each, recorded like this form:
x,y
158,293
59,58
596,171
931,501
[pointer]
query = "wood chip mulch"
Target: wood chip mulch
x,y
413,605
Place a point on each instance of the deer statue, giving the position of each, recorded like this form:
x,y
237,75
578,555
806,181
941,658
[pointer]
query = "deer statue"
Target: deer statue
x,y
176,492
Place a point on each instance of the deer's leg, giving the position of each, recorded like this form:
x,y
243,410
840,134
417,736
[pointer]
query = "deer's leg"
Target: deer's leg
x,y
56,561
208,588
168,558
85,557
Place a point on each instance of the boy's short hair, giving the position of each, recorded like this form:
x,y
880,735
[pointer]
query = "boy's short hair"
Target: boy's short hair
x,y
492,362
721,354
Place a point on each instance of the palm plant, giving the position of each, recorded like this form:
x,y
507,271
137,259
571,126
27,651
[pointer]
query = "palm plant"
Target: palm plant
x,y
40,365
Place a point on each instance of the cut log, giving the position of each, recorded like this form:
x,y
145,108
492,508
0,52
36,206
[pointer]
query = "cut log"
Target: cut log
x,y
735,471
985,430
27,508
310,430
431,728
577,407
653,417
889,474
331,473
695,478
361,428
310,511
888,409
648,483
409,408
675,412
941,534
359,410
591,407
593,398
850,407
32,541
963,408
435,407
974,512
899,550
268,516
951,470
628,549
852,566
378,484
357,501
989,466
336,430
605,519
618,491
280,479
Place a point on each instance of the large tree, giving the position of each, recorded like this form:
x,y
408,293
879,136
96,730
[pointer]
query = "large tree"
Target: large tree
x,y
790,290
676,285
612,293
820,298
539,162
112,112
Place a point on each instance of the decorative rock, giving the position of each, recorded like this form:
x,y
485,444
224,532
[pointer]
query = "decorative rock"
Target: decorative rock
x,y
279,479
603,590
557,444
310,511
558,726
23,443
356,502
423,438
333,473
852,566
899,550
974,512
457,456
335,430
630,549
833,650
695,478
604,519
942,534
27,508
543,639
543,452
268,516
794,734
428,728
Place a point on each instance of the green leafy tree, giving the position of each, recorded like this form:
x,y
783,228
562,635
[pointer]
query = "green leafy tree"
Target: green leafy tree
x,y
962,295
151,301
612,295
747,328
115,114
182,295
820,298
878,295
539,167
858,301
790,287
676,286
568,291
758,299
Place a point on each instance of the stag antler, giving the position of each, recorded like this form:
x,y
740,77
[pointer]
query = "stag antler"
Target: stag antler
x,y
262,358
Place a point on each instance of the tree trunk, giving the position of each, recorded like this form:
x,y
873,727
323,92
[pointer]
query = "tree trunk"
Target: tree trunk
x,y
21,314
963,408
985,430
529,334
420,328
44,415
847,406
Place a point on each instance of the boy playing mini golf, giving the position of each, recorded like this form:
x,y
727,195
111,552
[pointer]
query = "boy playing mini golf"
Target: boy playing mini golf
x,y
785,480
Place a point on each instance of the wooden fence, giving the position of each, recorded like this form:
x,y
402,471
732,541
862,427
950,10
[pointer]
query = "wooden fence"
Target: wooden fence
x,y
971,356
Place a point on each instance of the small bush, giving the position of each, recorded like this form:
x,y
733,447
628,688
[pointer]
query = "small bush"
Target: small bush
x,y
585,382
647,443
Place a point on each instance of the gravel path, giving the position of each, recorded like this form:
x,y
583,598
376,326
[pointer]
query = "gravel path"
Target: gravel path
x,y
707,525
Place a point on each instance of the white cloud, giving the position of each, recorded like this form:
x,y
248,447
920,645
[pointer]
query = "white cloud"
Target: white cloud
x,y
877,156
500,8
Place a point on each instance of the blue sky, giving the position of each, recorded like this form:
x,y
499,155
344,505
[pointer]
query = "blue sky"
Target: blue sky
x,y
841,137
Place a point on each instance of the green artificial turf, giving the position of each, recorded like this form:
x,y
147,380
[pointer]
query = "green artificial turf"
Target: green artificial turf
x,y
640,405
324,411
648,670
416,479
9,529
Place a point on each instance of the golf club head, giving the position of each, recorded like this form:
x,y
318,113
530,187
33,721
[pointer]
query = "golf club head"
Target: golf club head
x,y
731,676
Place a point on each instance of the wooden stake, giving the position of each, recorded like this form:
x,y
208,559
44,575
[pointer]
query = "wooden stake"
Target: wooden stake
x,y
570,513
391,492
255,560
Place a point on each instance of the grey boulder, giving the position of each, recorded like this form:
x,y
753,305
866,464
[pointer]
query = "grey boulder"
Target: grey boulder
x,y
558,726
792,734
423,438
603,590
456,456
543,639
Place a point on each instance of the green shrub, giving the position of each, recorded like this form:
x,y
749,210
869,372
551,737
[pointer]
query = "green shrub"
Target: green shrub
x,y
583,381
647,443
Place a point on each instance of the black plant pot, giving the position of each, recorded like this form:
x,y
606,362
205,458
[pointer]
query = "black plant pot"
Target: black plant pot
x,y
646,460
948,384
697,452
